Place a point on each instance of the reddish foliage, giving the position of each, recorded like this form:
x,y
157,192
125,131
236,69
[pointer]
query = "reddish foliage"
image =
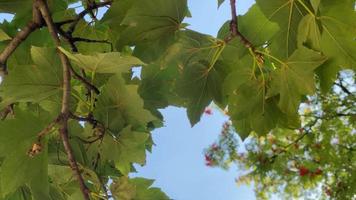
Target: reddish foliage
x,y
318,171
208,111
214,147
303,171
208,160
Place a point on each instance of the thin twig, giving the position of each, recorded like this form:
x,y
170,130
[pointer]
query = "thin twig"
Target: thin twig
x,y
100,128
87,84
74,74
37,146
31,26
343,88
85,12
43,8
79,39
6,111
48,128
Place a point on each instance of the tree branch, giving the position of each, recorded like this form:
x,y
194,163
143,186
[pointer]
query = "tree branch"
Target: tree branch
x,y
74,74
100,128
81,15
234,32
343,88
31,26
87,84
37,146
43,8
6,111
79,39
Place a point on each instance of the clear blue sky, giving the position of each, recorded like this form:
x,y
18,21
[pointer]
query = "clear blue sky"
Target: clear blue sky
x,y
177,162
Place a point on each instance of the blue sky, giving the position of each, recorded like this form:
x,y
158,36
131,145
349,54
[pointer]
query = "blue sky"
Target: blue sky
x,y
177,161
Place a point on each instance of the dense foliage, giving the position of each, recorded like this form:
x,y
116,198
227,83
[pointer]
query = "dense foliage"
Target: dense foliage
x,y
72,112
316,161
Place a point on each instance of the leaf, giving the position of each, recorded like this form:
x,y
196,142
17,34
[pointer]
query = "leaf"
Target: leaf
x,y
315,4
98,32
123,189
136,189
254,26
145,191
195,56
33,83
119,104
157,87
112,62
220,2
338,38
309,34
151,20
18,169
287,14
125,149
4,36
295,77
200,85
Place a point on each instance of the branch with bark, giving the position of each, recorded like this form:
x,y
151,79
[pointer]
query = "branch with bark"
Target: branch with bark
x,y
63,130
235,32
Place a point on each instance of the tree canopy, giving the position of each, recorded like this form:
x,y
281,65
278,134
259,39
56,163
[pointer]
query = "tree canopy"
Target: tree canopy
x,y
74,119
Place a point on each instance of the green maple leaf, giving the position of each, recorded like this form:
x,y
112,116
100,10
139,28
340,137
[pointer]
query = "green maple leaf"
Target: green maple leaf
x,y
18,169
119,104
220,2
136,189
332,32
99,32
254,26
295,77
33,83
200,78
4,36
151,20
338,39
145,191
287,14
157,87
128,147
112,62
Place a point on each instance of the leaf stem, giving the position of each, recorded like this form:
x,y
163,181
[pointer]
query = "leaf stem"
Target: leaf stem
x,y
269,55
306,8
234,32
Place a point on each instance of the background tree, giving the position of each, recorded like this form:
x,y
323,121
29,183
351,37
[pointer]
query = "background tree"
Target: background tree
x,y
315,161
68,97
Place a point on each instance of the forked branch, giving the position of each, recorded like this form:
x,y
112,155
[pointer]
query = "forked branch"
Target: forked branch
x,y
235,32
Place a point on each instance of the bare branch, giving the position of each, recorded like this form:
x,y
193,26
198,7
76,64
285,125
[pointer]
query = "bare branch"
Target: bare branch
x,y
63,130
